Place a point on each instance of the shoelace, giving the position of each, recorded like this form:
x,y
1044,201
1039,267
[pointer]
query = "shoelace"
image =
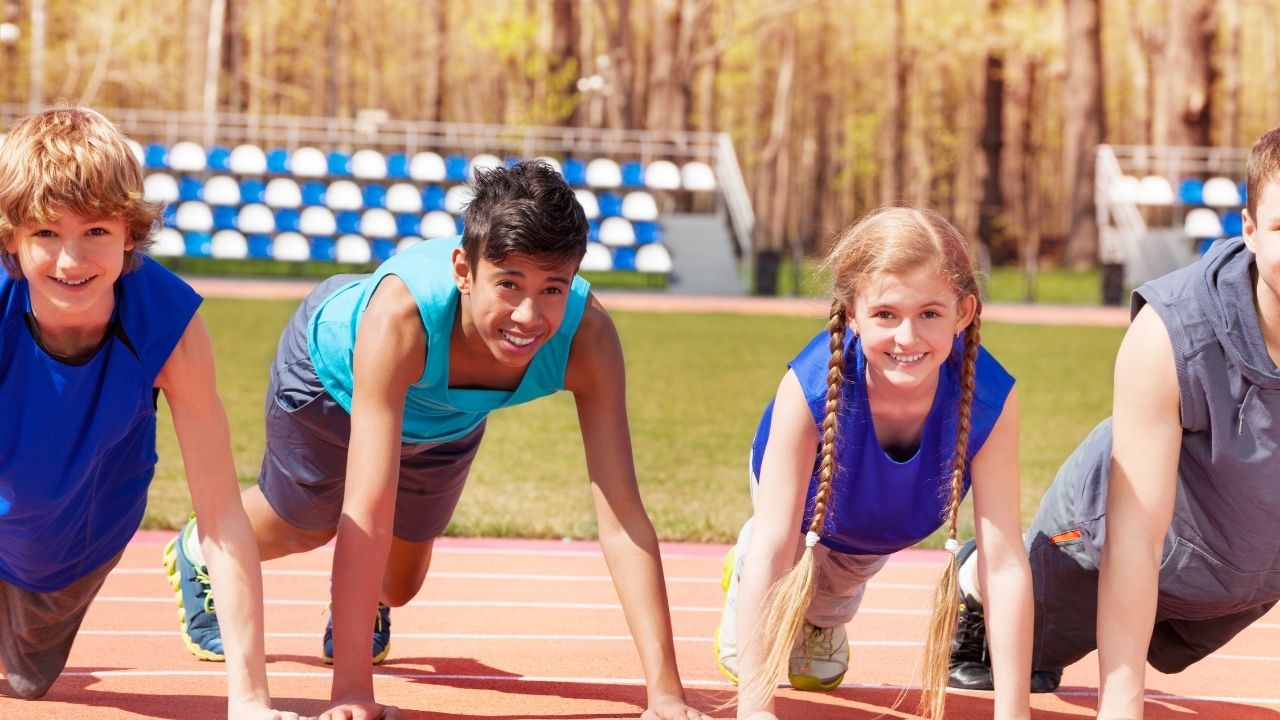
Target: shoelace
x,y
201,576
818,644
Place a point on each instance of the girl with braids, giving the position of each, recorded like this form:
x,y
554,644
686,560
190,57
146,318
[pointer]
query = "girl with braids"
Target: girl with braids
x,y
873,438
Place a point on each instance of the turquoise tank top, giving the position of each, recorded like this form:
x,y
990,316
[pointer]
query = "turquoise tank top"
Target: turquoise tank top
x,y
433,411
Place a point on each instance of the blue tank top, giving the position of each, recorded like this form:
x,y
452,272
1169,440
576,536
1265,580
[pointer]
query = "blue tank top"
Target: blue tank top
x,y
880,505
79,449
433,411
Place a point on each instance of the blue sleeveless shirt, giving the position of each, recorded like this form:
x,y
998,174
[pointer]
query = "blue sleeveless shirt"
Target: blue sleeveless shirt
x,y
433,412
880,505
79,440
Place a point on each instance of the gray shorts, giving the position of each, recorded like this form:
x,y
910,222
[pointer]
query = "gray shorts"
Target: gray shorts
x,y
37,629
308,433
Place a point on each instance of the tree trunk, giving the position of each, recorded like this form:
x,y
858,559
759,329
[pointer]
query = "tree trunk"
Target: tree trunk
x,y
1188,74
894,163
563,48
1229,120
991,210
1082,128
774,168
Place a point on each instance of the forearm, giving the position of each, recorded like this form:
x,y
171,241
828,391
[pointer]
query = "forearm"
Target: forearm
x,y
232,556
359,560
1007,596
636,567
1126,614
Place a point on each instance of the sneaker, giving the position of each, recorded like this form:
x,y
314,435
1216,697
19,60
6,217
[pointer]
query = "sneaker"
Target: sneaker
x,y
381,636
970,666
819,659
194,593
724,641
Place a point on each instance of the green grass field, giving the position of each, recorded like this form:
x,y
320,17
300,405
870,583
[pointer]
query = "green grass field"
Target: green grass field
x,y
696,386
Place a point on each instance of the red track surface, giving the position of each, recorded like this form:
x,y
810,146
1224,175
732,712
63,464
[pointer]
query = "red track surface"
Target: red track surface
x,y
532,629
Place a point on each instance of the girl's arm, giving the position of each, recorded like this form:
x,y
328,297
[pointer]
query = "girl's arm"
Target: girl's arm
x,y
200,422
390,355
779,501
595,375
1003,571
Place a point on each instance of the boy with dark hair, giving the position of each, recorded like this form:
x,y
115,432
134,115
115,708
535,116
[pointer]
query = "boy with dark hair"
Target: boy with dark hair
x,y
91,332
1157,541
377,404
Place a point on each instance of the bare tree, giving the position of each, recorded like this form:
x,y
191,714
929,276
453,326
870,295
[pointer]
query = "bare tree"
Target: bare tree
x,y
1187,74
1082,128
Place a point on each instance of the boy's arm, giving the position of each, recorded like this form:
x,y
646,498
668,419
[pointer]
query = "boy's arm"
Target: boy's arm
x,y
1146,440
390,354
189,386
775,528
595,377
1003,570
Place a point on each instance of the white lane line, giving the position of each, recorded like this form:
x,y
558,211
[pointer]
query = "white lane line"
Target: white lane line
x,y
512,637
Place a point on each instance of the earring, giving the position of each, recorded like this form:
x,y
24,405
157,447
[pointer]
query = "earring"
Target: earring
x,y
959,332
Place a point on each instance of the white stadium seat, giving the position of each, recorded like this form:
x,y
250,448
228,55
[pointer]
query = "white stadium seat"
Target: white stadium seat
x,y
438,224
256,219
353,249
597,259
194,215
1202,223
604,173
483,161
368,164
222,190
378,223
343,195
554,163
653,259
248,160
187,156
404,198
617,232
316,220
456,199
1221,192
1155,190
697,176
407,242
160,187
662,175
290,246
1125,190
229,244
282,192
427,167
590,205
308,162
134,145
168,243
639,205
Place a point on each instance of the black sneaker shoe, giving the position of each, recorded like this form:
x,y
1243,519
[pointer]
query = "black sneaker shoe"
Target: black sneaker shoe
x,y
1045,681
970,668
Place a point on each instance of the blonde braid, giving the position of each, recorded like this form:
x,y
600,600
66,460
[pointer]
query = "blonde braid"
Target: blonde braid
x,y
947,596
787,601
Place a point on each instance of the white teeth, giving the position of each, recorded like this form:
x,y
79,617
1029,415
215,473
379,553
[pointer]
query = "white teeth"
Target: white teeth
x,y
906,358
518,342
73,283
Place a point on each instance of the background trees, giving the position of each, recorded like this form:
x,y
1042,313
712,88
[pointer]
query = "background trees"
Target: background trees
x,y
988,111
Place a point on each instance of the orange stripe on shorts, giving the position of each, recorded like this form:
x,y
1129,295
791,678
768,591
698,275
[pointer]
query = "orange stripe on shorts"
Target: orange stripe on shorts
x,y
1065,537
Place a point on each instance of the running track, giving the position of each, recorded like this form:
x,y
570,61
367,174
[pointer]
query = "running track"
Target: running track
x,y
532,629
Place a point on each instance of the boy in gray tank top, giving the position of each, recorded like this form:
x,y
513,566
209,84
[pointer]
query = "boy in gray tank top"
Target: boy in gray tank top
x,y
1157,541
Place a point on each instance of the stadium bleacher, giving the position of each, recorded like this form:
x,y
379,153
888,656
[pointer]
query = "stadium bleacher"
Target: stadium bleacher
x,y
309,204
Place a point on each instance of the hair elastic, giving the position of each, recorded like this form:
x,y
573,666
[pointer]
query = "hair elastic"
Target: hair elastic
x,y
952,546
810,539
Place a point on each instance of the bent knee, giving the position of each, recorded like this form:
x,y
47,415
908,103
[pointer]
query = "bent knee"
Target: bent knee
x,y
398,595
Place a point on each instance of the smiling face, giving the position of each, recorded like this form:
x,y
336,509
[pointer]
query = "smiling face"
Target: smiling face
x,y
512,306
908,322
71,264
1262,236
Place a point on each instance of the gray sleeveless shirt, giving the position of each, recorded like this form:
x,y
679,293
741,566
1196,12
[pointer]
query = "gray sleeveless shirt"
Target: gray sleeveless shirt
x,y
1222,552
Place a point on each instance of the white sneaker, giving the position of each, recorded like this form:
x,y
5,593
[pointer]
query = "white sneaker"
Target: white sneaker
x,y
819,659
725,640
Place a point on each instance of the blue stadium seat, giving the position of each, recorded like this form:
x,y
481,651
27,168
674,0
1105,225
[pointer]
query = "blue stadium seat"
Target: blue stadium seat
x,y
322,248
511,161
432,198
459,224
408,224
219,159
190,188
624,258
157,156
398,166
1244,192
313,193
632,174
252,190
456,167
169,215
348,222
198,243
339,163
610,204
288,220
382,249
1191,191
278,161
224,217
647,232
259,245
574,171
375,195
593,231
1232,223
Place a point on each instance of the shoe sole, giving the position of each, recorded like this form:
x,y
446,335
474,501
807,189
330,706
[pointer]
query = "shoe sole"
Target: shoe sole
x,y
175,582
809,683
377,659
726,575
